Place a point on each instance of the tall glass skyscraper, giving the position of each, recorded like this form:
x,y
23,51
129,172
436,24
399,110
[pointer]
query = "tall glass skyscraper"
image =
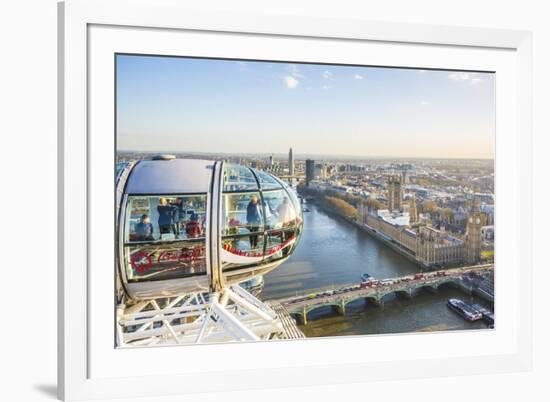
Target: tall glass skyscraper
x,y
290,162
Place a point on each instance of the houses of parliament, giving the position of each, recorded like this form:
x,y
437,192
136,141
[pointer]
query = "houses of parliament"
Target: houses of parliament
x,y
401,225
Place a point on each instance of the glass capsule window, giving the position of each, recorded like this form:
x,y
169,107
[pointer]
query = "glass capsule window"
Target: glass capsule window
x,y
282,222
295,201
279,210
238,178
242,213
258,226
164,237
266,181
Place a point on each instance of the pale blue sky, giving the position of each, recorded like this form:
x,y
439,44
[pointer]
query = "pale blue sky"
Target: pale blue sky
x,y
202,105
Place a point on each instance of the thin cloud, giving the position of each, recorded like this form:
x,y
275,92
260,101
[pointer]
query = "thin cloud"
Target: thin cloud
x,y
425,103
460,76
325,87
294,71
243,66
471,78
290,82
358,76
327,75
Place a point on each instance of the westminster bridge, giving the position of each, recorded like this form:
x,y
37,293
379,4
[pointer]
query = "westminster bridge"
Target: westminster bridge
x,y
375,290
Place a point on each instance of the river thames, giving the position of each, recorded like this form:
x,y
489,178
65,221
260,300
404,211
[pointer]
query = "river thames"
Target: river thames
x,y
334,252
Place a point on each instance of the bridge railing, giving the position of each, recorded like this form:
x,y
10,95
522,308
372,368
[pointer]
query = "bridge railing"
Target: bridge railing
x,y
312,291
397,283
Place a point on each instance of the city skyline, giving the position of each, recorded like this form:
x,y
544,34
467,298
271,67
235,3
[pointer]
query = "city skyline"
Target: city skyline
x,y
300,156
225,106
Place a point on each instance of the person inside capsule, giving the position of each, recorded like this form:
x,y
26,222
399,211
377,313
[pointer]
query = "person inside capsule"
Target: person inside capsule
x,y
193,228
175,217
286,216
254,219
163,241
166,216
144,229
260,216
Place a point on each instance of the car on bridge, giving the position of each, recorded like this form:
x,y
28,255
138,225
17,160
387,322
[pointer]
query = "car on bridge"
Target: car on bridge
x,y
340,291
370,284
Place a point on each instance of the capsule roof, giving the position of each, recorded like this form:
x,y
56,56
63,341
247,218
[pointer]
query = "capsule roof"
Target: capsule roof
x,y
175,176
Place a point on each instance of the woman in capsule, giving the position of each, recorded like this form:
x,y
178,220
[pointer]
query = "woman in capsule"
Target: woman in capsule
x,y
254,219
144,229
286,216
166,217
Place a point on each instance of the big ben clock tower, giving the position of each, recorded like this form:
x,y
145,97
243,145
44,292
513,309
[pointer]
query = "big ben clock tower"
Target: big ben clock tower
x,y
473,237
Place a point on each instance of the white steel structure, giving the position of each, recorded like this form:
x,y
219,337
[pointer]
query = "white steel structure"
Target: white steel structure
x,y
230,315
189,231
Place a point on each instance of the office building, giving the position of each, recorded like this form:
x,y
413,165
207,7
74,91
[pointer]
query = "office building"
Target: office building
x,y
310,171
290,162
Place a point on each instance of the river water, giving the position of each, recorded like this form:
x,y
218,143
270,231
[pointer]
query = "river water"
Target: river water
x,y
334,252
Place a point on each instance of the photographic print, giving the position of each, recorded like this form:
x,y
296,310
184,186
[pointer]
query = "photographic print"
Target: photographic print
x,y
274,200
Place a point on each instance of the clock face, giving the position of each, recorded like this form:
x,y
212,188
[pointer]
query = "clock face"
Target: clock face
x,y
477,221
471,220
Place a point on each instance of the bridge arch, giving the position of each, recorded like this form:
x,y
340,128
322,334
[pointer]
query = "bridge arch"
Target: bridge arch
x,y
373,299
298,316
429,287
320,306
450,283
407,293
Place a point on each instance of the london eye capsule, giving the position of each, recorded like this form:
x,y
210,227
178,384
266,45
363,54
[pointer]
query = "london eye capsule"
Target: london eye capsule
x,y
187,225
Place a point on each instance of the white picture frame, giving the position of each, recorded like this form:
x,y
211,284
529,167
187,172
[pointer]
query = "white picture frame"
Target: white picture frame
x,y
87,365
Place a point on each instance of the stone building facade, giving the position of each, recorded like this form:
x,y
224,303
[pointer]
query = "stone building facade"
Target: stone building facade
x,y
428,245
395,193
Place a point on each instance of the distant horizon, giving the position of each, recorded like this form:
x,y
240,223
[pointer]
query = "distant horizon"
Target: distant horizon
x,y
247,106
302,155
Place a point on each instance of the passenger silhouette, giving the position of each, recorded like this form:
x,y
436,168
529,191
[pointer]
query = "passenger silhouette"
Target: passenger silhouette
x,y
193,228
166,216
254,219
144,229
